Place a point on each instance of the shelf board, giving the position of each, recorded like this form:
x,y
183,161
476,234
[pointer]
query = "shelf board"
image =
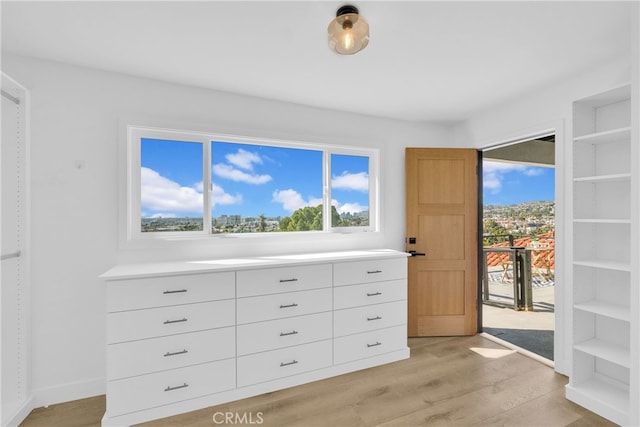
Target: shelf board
x,y
604,264
606,351
600,396
602,221
606,136
615,311
615,94
604,178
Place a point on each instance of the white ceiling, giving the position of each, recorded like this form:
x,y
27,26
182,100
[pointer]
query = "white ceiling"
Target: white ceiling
x,y
426,60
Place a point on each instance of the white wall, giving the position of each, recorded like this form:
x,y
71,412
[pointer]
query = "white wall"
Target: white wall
x,y
548,109
75,136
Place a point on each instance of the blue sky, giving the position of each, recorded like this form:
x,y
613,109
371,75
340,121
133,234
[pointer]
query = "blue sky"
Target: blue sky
x,y
248,180
510,183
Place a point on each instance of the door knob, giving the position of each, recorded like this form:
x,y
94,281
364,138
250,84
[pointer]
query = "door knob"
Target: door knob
x,y
414,253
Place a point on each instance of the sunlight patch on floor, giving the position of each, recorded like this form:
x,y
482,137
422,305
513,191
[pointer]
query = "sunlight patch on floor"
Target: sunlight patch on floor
x,y
492,353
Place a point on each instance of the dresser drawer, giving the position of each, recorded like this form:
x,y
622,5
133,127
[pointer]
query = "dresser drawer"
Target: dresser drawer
x,y
157,322
278,306
176,351
369,344
286,279
370,317
261,367
369,293
169,290
377,270
263,336
148,391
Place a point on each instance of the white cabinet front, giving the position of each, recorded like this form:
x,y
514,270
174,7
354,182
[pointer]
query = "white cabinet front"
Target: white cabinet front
x,y
349,273
277,306
285,279
370,317
156,322
149,292
270,365
369,344
175,351
369,293
149,391
263,336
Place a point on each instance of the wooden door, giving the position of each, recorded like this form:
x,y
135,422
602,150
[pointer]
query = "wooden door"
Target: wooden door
x,y
442,217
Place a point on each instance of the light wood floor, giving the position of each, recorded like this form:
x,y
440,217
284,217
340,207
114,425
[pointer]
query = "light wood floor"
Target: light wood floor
x,y
467,381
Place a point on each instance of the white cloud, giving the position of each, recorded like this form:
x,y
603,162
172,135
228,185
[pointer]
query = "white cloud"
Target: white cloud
x,y
163,215
350,208
244,159
219,197
351,181
161,194
169,199
533,171
492,183
493,173
314,202
291,200
229,172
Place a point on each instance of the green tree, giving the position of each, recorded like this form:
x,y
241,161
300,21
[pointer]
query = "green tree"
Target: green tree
x,y
304,219
492,228
284,224
336,220
309,218
262,227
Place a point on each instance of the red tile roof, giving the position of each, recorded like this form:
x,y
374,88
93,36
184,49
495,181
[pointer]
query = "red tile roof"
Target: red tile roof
x,y
545,240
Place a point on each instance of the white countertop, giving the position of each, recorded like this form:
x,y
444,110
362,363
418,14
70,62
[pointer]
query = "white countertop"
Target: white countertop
x,y
151,269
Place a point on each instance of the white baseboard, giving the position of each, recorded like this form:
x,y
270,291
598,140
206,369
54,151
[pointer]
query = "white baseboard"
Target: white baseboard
x,y
19,414
68,392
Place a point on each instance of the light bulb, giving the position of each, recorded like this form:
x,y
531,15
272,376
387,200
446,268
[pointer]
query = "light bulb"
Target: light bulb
x,y
347,41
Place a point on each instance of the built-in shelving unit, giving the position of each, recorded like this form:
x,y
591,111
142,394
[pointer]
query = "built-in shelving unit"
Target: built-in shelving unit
x,y
603,169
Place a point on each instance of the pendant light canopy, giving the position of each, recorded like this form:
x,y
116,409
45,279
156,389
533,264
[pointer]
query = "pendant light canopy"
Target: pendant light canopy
x,y
348,32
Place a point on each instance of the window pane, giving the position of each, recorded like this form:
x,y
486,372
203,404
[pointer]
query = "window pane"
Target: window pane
x,y
171,185
349,191
258,188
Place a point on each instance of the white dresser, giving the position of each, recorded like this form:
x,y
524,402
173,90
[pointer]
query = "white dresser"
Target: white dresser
x,y
186,335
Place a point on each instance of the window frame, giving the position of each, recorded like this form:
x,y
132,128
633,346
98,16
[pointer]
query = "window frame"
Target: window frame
x,y
135,134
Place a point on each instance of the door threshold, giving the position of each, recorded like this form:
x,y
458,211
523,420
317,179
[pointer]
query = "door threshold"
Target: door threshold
x,y
520,350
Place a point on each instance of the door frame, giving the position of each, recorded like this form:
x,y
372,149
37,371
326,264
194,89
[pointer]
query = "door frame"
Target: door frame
x,y
480,249
561,341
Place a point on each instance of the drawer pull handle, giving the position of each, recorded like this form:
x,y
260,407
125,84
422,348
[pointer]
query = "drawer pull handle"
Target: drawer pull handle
x,y
288,280
167,322
374,272
293,362
175,353
373,294
284,334
377,343
178,387
374,318
289,305
177,291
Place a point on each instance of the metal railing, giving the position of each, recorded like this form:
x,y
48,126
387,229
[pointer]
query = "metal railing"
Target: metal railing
x,y
520,266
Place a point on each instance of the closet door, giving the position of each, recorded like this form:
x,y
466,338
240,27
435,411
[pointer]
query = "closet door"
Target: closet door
x,y
15,295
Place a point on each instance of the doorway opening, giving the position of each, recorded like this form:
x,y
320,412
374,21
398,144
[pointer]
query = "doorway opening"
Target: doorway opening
x,y
518,284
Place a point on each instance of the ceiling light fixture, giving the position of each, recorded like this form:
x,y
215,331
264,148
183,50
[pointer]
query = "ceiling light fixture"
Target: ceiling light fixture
x,y
349,31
